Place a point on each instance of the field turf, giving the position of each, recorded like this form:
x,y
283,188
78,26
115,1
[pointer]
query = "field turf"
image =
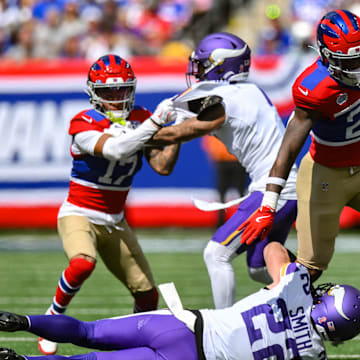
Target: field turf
x,y
31,263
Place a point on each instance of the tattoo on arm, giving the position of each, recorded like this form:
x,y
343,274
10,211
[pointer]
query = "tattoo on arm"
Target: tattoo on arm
x,y
187,130
163,160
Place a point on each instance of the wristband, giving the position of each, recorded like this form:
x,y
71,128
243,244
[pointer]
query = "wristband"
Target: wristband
x,y
270,199
276,181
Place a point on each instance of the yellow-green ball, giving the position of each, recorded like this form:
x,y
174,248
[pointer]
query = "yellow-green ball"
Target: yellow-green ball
x,y
273,11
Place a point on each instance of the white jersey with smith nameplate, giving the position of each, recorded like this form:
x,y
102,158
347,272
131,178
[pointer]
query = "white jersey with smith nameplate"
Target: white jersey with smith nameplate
x,y
270,324
252,130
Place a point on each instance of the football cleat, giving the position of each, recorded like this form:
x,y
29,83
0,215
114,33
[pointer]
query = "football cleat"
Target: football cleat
x,y
9,354
12,322
47,347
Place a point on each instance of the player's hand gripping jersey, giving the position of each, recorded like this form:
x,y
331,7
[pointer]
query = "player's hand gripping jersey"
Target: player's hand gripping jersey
x,y
252,130
99,186
274,322
336,137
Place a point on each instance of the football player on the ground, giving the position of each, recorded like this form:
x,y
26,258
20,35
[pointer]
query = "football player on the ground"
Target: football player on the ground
x,y
327,102
287,320
224,104
107,150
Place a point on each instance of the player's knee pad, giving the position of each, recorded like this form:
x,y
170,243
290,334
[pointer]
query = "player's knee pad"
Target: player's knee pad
x,y
216,253
260,274
78,271
146,300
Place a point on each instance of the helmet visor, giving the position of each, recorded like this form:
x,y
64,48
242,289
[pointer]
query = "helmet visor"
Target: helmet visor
x,y
114,93
345,68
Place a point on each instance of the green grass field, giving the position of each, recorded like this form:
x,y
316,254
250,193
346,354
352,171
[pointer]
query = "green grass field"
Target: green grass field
x,y
31,263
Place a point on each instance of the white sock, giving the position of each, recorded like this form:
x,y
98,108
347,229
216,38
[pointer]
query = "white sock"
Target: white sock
x,y
218,262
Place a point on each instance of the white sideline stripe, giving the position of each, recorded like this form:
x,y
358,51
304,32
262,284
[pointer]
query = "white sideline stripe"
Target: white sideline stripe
x,y
344,243
18,339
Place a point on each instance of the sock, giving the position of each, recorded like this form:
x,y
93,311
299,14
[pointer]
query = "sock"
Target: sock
x,y
146,300
72,278
89,356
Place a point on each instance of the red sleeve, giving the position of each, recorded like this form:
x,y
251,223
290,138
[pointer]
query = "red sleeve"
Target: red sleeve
x,y
304,97
315,98
83,122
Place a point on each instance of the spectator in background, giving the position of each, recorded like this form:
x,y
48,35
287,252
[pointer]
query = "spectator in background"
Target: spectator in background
x,y
24,47
109,17
274,39
41,7
71,48
154,30
48,38
72,24
229,173
4,41
107,41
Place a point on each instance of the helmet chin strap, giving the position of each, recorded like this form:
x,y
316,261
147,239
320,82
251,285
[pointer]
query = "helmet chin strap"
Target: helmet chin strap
x,y
116,117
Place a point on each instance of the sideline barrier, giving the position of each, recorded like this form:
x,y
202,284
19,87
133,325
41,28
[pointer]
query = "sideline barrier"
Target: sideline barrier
x,y
38,99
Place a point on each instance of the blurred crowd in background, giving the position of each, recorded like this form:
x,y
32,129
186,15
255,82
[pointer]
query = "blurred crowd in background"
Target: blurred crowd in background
x,y
89,28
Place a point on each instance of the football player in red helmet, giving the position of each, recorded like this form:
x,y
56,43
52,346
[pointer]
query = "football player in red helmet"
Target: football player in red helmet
x,y
326,96
111,86
339,46
107,149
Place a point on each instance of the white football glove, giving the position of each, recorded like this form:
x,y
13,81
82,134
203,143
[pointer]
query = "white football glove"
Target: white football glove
x,y
164,113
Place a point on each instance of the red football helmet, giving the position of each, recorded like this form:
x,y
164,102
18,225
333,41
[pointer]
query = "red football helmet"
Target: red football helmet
x,y
338,39
111,85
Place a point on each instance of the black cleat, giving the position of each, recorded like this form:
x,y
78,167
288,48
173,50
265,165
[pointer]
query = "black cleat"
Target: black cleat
x,y
12,322
9,354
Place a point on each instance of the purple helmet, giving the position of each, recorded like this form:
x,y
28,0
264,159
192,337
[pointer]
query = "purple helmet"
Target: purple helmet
x,y
220,56
336,312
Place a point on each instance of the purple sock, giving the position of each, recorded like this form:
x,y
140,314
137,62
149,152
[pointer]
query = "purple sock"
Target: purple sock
x,y
61,328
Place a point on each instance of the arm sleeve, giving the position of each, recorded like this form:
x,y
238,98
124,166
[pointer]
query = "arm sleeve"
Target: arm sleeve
x,y
127,144
85,141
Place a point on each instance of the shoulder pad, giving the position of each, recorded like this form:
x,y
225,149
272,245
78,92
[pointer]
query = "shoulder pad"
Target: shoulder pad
x,y
140,114
211,108
88,120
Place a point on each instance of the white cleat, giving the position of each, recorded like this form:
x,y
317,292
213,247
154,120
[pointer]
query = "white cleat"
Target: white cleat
x,y
47,347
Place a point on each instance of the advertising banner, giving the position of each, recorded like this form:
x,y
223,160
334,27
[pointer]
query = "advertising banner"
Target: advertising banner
x,y
37,101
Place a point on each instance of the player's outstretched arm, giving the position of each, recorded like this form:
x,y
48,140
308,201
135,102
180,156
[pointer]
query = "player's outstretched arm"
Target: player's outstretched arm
x,y
163,160
260,223
129,141
275,256
210,117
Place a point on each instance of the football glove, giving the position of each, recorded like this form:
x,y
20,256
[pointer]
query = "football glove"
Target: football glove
x,y
257,225
164,113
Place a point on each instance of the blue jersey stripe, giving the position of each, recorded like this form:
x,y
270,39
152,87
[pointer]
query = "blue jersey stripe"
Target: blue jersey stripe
x,y
313,79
